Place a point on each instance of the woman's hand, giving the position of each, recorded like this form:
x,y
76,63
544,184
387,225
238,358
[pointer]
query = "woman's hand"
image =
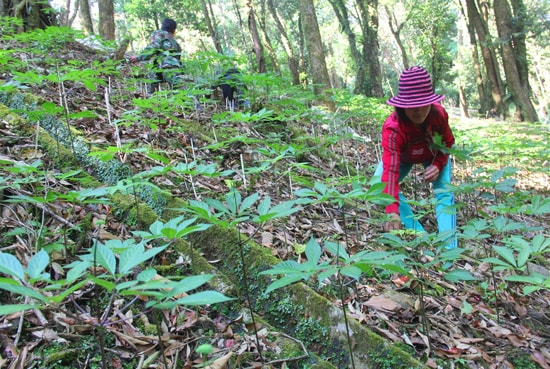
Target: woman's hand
x,y
393,224
431,173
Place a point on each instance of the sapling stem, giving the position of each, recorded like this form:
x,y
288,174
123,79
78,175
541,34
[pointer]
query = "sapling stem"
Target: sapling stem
x,y
242,168
191,178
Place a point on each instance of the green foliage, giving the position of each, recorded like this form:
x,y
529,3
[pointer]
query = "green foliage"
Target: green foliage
x,y
344,264
117,260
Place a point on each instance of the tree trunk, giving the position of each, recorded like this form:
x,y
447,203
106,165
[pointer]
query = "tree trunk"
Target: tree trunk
x,y
484,99
368,79
106,19
520,95
86,17
395,29
256,41
291,55
269,49
34,13
341,11
520,47
71,18
369,14
243,33
210,24
316,54
494,81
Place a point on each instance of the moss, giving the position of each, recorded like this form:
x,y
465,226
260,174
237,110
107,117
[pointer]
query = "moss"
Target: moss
x,y
297,309
133,211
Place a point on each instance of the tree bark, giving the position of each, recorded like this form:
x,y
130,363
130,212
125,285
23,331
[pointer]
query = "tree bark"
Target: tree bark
x,y
211,26
285,41
316,54
341,11
34,13
395,29
268,45
256,41
485,102
520,46
106,19
520,95
71,18
243,33
86,17
368,79
369,13
494,82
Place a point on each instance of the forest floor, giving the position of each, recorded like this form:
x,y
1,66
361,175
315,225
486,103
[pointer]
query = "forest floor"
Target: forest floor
x,y
468,328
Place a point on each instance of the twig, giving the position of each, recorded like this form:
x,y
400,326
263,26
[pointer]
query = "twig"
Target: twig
x,y
278,361
20,325
45,209
242,167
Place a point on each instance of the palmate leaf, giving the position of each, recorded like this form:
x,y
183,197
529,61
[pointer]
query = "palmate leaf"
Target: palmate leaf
x,y
507,254
248,202
196,299
285,281
336,249
286,267
135,255
280,210
459,275
190,283
352,272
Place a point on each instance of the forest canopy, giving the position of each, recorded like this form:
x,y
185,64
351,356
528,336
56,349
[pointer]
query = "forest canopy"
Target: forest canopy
x,y
487,58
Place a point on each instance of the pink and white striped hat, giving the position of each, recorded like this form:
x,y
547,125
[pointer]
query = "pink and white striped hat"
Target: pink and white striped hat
x,y
415,90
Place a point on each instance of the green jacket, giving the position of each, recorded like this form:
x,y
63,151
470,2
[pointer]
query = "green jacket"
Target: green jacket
x,y
164,49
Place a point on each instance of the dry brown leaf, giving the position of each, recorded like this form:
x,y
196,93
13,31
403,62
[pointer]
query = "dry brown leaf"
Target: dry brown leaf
x,y
221,363
541,359
382,303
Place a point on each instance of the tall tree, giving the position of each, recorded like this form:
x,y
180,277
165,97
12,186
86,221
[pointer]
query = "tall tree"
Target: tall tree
x,y
256,40
493,82
395,28
262,21
245,44
518,89
86,17
369,14
106,19
33,13
314,45
432,26
285,41
485,101
363,43
211,25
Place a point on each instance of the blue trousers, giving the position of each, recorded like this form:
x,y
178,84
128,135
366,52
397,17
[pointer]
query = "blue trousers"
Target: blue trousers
x,y
445,211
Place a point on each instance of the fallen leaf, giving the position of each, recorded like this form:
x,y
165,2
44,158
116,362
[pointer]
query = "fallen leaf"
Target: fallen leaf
x,y
221,363
382,303
540,359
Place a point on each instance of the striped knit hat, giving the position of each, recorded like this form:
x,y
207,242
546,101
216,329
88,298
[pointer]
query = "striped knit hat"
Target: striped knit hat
x,y
415,90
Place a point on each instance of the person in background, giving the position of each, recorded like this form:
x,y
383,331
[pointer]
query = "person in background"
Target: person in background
x,y
233,88
165,51
408,138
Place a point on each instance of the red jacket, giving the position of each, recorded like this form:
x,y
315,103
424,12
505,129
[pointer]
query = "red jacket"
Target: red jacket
x,y
405,142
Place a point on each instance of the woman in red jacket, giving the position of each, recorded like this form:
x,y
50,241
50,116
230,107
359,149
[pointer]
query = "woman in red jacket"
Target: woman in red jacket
x,y
408,139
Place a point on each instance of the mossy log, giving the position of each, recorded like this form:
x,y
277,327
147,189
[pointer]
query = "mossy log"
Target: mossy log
x,y
296,310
